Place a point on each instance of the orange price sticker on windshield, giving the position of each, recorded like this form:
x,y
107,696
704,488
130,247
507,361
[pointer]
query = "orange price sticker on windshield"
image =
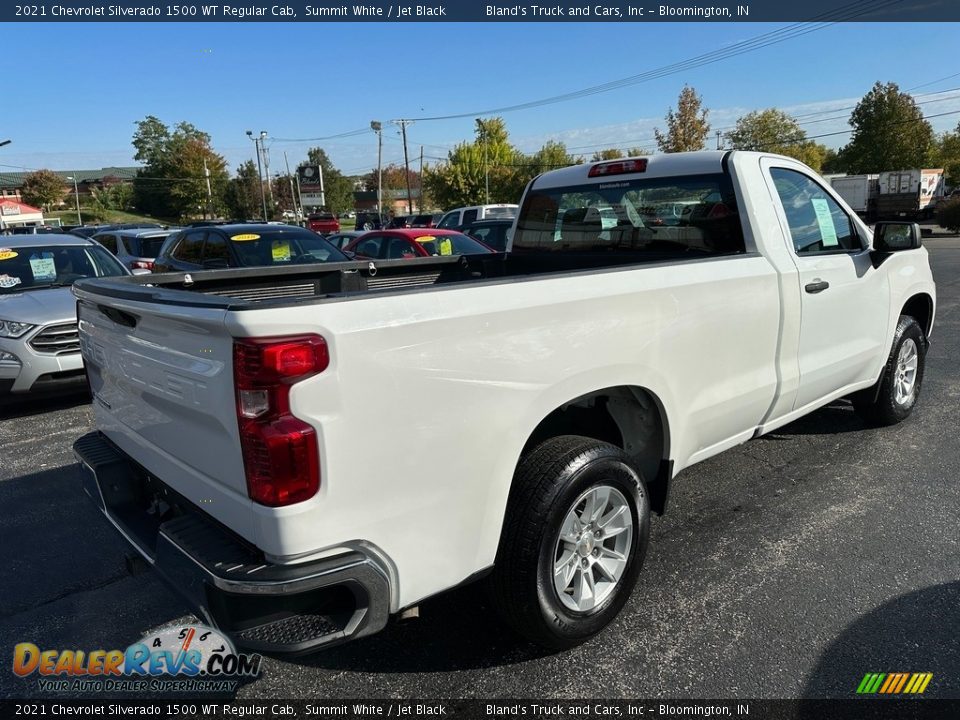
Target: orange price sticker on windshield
x,y
7,254
245,237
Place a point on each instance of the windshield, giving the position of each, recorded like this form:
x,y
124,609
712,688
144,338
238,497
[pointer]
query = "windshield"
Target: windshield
x,y
283,246
685,214
452,244
43,266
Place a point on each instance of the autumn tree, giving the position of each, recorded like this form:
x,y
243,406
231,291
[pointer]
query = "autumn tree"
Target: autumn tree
x,y
889,133
687,128
776,132
946,154
44,189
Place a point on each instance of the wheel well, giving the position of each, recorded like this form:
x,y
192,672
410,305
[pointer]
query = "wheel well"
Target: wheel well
x,y
920,308
629,417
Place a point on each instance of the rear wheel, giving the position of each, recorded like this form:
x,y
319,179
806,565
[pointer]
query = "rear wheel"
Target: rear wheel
x,y
573,541
895,395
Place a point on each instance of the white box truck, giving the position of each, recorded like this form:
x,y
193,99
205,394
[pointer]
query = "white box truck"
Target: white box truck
x,y
859,192
909,193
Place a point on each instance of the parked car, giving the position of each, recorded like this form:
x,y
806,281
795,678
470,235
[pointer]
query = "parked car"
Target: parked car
x,y
428,221
340,240
303,467
494,233
39,344
404,243
224,246
136,249
461,217
323,223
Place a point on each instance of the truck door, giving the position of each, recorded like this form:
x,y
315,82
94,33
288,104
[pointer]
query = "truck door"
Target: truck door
x,y
843,299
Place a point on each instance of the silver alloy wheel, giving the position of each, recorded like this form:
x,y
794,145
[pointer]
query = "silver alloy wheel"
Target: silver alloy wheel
x,y
905,381
593,548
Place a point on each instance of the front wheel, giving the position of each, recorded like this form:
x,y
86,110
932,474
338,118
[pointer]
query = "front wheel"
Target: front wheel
x,y
895,395
573,542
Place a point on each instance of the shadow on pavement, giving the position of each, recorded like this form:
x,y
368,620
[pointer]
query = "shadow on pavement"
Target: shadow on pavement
x,y
18,406
914,633
455,631
837,417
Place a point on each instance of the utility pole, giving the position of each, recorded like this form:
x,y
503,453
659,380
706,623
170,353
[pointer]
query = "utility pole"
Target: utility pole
x,y
263,200
323,197
266,167
206,174
718,141
294,197
406,160
377,127
486,166
422,203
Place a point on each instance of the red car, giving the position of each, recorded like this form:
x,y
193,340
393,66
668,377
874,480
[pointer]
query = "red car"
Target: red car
x,y
414,242
323,223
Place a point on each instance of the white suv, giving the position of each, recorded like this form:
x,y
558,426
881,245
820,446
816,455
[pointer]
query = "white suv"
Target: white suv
x,y
461,217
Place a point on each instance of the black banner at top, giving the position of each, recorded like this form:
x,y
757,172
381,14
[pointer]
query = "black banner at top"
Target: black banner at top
x,y
636,11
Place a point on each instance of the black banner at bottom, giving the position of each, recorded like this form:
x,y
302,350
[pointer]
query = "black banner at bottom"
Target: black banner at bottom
x,y
857,709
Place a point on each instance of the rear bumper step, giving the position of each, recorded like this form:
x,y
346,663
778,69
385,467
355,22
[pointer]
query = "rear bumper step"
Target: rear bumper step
x,y
262,606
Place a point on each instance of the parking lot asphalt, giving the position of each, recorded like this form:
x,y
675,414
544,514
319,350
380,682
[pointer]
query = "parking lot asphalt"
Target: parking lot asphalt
x,y
787,567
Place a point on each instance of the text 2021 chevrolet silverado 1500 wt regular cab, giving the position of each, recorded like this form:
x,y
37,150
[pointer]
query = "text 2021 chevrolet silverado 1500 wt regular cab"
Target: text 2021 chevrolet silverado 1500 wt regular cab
x,y
305,451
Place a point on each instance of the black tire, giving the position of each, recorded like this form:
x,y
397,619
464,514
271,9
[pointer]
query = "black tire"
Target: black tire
x,y
881,405
548,481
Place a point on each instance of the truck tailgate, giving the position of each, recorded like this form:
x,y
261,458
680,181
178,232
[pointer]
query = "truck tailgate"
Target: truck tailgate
x,y
172,411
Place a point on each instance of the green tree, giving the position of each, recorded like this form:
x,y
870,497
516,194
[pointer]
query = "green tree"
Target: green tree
x,y
44,189
337,188
687,128
242,196
774,131
889,133
946,154
173,179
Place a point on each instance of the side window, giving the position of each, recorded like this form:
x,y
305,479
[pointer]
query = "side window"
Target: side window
x,y
451,219
190,248
109,242
370,247
817,222
400,248
215,250
469,216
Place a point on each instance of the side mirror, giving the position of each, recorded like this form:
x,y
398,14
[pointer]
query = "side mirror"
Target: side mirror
x,y
893,236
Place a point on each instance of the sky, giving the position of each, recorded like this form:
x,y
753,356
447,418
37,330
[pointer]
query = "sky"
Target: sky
x,y
79,88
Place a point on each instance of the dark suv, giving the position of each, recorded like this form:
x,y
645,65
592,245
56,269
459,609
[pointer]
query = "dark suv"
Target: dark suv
x,y
370,221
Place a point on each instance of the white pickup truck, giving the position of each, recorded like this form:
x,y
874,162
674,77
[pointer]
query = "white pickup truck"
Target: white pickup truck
x,y
306,451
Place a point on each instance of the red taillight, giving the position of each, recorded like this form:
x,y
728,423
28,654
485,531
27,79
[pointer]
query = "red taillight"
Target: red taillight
x,y
142,264
618,167
280,451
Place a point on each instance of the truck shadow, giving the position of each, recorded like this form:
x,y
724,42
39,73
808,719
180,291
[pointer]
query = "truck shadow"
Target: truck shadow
x,y
913,633
19,406
455,631
837,417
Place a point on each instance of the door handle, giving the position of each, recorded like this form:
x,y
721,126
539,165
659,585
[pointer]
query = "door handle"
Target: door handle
x,y
816,286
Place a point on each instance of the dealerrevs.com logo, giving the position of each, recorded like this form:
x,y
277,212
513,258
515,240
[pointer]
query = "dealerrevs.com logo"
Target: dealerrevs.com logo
x,y
188,658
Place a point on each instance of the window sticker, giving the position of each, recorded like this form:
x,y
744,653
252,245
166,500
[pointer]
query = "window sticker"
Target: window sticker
x,y
446,246
42,266
244,237
8,281
828,233
281,251
7,254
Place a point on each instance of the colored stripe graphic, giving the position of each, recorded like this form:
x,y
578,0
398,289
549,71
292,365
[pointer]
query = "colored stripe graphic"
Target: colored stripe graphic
x,y
894,683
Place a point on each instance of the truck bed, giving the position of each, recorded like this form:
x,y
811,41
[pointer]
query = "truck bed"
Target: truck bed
x,y
238,289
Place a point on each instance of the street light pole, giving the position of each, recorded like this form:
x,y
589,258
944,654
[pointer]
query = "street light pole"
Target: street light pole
x,y
377,127
263,199
266,167
486,166
76,196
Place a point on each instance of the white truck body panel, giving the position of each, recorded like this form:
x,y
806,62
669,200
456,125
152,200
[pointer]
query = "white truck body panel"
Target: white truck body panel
x,y
856,190
431,395
926,184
